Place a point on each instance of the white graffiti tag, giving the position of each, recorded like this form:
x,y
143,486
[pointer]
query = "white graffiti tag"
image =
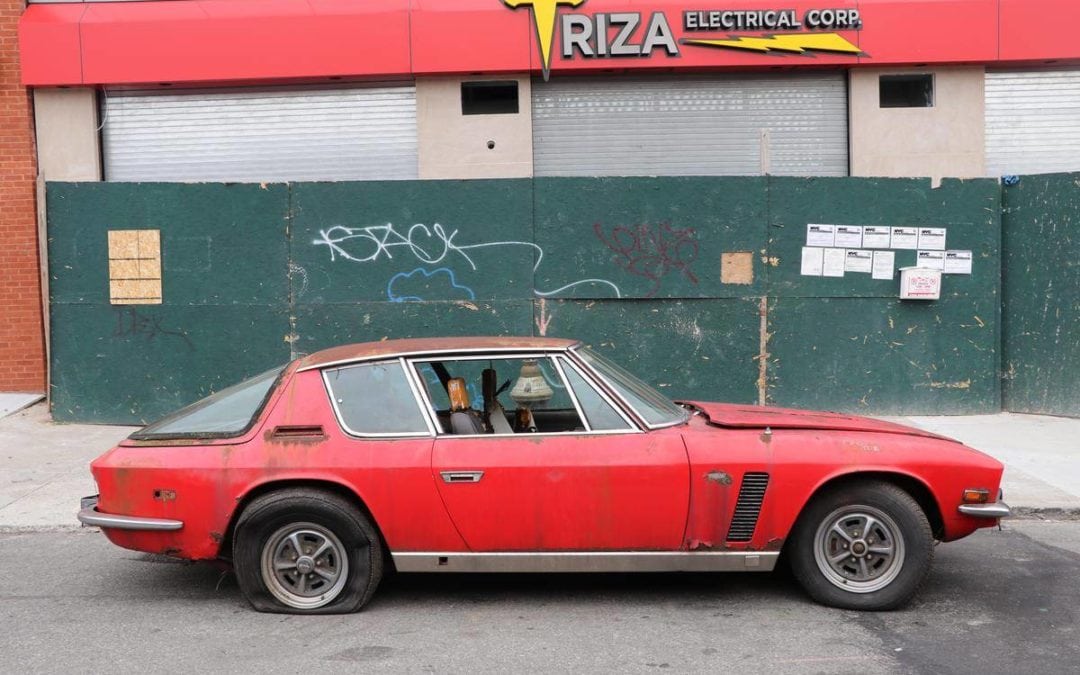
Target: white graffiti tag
x,y
429,245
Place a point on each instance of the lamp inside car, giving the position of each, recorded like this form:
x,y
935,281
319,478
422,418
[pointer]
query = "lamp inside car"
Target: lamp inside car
x,y
976,496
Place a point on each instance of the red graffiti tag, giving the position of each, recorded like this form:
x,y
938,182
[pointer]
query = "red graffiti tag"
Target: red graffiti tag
x,y
652,251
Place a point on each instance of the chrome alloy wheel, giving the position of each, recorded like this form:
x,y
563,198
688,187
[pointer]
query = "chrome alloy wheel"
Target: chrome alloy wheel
x,y
304,565
859,549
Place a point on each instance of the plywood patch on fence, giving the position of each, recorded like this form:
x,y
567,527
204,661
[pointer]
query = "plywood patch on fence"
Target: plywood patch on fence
x,y
737,267
135,267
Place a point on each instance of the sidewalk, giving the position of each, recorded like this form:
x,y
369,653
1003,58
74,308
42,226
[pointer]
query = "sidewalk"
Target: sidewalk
x,y
44,466
1041,455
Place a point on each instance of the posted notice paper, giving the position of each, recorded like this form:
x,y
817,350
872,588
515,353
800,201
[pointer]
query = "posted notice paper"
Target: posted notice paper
x,y
932,238
848,236
905,237
884,264
858,260
875,236
820,235
833,263
813,259
957,262
934,260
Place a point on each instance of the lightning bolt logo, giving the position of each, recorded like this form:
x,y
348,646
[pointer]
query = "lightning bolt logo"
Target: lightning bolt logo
x,y
790,44
544,12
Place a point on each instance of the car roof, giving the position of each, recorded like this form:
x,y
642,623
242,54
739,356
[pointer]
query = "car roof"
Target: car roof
x,y
366,351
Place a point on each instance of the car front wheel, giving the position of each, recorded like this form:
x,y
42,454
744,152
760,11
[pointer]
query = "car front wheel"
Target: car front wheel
x,y
304,551
864,546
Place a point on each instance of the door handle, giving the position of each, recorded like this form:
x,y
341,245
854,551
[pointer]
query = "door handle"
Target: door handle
x,y
461,476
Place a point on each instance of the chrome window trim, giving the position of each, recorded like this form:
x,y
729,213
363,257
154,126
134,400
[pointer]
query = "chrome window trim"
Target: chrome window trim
x,y
382,435
434,352
441,434
429,407
599,390
572,350
414,385
570,392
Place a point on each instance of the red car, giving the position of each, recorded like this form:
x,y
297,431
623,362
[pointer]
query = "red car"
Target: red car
x,y
528,455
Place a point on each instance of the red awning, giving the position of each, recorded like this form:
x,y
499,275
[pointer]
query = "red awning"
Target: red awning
x,y
203,41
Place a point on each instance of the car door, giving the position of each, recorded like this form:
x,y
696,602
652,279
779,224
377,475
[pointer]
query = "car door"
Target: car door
x,y
603,486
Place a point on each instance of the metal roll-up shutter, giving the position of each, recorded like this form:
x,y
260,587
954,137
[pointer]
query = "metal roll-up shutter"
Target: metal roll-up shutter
x,y
341,133
691,125
1032,122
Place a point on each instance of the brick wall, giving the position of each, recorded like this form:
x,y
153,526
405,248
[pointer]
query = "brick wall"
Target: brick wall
x,y
22,342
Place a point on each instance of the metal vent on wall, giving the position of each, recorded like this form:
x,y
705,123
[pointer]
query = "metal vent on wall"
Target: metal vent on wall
x,y
261,135
748,506
792,124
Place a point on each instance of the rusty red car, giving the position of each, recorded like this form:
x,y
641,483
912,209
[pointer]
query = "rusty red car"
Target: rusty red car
x,y
528,455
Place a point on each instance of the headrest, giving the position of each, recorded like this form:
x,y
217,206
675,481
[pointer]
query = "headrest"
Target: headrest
x,y
459,395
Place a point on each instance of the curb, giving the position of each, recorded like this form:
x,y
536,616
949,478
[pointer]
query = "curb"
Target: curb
x,y
1047,513
44,529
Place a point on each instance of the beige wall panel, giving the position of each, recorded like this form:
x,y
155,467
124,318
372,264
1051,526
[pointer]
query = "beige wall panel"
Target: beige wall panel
x,y
68,142
947,140
452,145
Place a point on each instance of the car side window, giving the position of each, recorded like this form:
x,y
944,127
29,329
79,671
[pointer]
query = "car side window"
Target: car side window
x,y
375,399
600,414
498,395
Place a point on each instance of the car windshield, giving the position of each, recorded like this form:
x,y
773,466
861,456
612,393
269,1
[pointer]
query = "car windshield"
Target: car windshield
x,y
229,412
654,407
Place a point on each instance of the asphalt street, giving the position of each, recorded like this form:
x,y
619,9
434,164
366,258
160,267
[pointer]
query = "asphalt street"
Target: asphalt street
x,y
998,602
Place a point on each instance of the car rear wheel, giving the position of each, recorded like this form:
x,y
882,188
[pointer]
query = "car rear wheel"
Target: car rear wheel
x,y
304,551
864,546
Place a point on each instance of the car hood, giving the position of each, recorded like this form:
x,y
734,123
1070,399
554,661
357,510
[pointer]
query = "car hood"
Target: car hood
x,y
747,417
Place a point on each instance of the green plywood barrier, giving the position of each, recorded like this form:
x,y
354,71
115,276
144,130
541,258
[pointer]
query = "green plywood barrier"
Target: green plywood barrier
x,y
850,344
690,349
224,263
668,273
322,326
647,237
1041,295
401,240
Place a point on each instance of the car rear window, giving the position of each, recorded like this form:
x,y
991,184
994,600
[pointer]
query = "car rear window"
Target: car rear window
x,y
229,412
375,399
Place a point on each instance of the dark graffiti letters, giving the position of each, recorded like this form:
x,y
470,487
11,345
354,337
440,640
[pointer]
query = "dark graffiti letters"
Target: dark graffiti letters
x,y
131,323
652,251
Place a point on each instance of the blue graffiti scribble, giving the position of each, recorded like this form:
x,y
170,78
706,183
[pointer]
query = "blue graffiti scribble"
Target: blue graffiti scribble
x,y
424,277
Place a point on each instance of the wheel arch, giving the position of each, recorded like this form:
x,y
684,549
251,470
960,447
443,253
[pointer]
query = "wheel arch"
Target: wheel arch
x,y
910,484
329,486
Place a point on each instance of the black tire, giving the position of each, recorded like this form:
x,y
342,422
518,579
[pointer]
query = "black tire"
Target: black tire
x,y
341,579
848,568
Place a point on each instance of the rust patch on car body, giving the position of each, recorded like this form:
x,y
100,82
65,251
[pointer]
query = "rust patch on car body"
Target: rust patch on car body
x,y
719,477
216,537
162,495
702,545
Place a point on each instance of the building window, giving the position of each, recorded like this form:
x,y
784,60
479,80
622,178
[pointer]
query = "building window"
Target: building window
x,y
489,98
906,91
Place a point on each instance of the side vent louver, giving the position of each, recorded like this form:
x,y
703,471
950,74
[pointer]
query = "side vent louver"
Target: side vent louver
x,y
748,506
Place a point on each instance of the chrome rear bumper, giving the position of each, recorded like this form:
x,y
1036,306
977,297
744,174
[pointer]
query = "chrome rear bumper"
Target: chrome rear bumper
x,y
89,515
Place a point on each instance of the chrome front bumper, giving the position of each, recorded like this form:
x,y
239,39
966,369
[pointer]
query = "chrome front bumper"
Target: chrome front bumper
x,y
89,515
998,509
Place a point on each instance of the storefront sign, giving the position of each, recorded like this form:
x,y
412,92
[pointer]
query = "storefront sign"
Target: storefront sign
x,y
619,34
